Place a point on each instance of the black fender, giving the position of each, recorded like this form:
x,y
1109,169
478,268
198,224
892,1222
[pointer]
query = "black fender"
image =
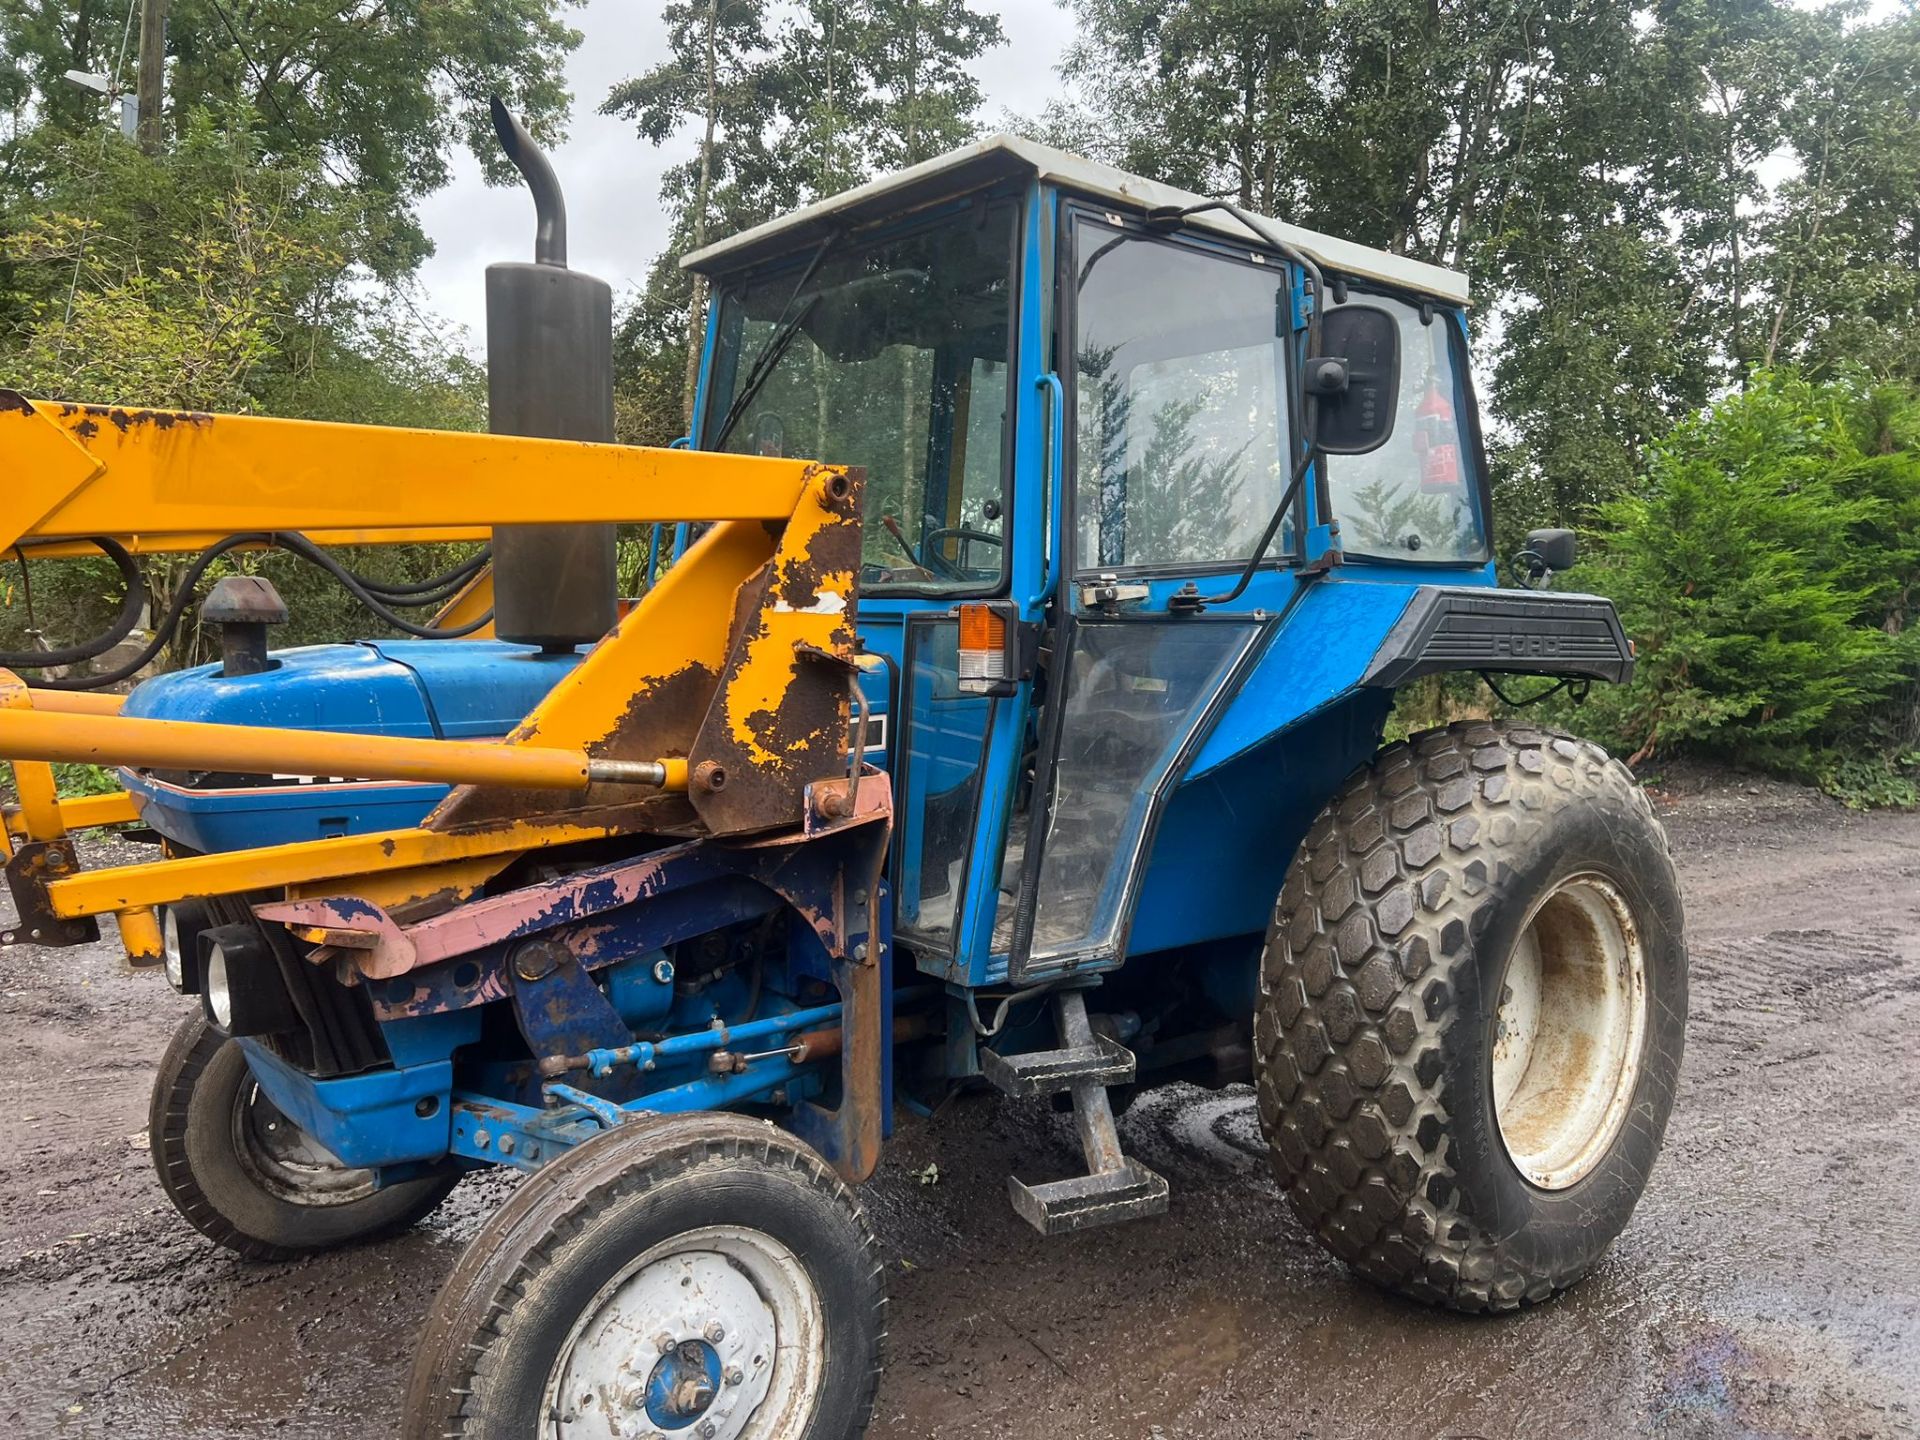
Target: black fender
x,y
1514,632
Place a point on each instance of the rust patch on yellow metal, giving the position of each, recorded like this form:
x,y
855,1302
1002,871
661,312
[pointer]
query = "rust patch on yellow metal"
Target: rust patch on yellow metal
x,y
140,937
412,894
780,719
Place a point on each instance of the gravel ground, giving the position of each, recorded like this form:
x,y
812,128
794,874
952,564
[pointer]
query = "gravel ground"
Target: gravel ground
x,y
1769,1284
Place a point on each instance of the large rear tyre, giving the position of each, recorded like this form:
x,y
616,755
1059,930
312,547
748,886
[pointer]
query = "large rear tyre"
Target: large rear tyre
x,y
1473,1002
702,1275
248,1178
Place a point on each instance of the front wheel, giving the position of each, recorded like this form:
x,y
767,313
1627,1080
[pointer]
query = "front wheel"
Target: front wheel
x,y
702,1275
1473,1002
248,1178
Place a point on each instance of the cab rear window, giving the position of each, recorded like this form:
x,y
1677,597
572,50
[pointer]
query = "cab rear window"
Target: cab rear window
x,y
1418,496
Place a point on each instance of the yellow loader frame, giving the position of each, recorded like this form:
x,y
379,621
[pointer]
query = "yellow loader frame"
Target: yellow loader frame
x,y
706,710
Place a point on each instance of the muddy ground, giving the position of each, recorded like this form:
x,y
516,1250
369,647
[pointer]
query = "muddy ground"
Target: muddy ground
x,y
1768,1286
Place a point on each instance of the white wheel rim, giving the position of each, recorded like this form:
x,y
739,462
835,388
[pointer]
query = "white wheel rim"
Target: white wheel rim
x,y
716,1334
1568,1032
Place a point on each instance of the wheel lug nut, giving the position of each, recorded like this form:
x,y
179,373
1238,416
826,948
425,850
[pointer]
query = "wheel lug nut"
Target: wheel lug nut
x,y
735,1376
715,1334
708,1430
664,1343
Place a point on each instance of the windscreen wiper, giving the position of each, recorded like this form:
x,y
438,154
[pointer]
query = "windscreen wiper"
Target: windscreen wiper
x,y
784,331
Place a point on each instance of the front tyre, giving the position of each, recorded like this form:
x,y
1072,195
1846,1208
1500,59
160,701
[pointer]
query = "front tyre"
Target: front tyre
x,y
705,1275
248,1178
1472,1008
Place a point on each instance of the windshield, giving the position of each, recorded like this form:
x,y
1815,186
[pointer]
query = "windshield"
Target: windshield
x,y
898,364
1180,401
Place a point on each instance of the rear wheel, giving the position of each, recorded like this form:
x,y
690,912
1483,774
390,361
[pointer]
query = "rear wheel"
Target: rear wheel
x,y
705,1275
248,1178
1471,1017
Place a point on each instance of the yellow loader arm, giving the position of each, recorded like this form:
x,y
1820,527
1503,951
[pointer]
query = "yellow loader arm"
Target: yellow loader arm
x,y
707,710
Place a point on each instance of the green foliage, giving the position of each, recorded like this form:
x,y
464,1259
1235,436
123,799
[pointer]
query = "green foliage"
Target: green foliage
x,y
73,780
786,106
1601,170
1873,783
379,95
1764,572
208,277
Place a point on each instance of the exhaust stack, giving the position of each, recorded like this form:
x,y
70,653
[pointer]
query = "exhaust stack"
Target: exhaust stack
x,y
549,374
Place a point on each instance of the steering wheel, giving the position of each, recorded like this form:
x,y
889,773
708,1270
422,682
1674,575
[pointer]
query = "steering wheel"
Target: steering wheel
x,y
931,559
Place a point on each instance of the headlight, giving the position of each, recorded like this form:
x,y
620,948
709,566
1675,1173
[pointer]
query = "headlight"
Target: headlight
x,y
242,988
170,948
181,926
219,992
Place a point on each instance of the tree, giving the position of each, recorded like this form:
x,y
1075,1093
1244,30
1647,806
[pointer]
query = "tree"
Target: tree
x,y
378,93
208,278
1842,240
1599,168
785,110
1765,573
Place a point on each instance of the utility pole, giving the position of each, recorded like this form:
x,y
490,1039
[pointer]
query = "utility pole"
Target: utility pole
x,y
153,69
697,307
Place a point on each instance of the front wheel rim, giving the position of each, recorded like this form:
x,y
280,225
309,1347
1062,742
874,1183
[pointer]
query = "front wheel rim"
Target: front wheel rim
x,y
715,1334
285,1162
1569,1031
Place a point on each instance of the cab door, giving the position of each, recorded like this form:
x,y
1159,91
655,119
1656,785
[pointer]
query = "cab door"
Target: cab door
x,y
1180,444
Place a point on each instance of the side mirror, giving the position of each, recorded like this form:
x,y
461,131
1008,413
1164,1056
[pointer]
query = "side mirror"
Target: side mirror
x,y
1554,550
1357,408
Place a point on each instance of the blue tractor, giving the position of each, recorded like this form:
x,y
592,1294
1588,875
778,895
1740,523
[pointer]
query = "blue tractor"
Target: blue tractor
x,y
1163,504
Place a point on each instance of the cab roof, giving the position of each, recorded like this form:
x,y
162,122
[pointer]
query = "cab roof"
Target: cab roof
x,y
1000,157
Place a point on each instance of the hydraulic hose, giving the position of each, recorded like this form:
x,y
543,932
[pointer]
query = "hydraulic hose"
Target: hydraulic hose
x,y
131,604
294,544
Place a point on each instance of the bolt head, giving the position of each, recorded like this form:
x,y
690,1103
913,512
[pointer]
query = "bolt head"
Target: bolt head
x,y
664,1343
708,1430
715,1333
506,1144
735,1376
663,971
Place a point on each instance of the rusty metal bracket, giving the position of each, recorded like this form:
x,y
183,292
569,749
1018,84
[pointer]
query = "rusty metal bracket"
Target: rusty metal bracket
x,y
33,866
778,717
561,1010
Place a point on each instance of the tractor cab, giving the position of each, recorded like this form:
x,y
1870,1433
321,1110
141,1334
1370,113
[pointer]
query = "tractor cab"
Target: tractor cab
x,y
1105,573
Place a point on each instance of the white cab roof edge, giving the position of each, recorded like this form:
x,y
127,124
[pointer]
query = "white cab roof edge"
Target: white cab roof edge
x,y
1012,155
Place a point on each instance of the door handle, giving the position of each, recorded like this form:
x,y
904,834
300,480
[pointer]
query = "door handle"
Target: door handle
x,y
1055,490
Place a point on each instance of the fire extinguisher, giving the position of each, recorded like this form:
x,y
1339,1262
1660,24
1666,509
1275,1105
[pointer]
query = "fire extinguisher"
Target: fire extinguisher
x,y
1436,443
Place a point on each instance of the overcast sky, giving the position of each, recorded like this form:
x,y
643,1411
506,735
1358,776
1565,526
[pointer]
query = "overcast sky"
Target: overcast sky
x,y
612,176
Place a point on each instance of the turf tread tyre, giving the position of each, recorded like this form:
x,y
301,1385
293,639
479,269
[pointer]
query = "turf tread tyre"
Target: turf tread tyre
x,y
471,1360
189,1135
1372,1024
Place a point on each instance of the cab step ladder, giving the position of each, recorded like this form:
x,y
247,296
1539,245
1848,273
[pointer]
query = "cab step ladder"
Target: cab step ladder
x,y
1115,1187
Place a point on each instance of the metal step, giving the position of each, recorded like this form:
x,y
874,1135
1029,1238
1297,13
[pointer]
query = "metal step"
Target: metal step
x,y
1100,1061
1115,1186
1060,1207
